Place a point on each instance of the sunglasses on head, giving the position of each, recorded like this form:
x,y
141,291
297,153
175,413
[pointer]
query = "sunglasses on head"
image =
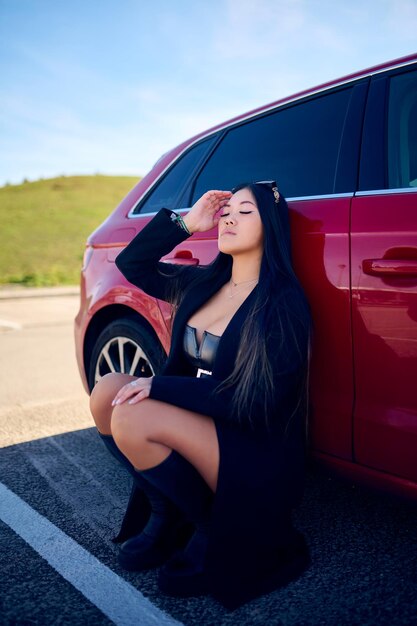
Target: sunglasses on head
x,y
271,184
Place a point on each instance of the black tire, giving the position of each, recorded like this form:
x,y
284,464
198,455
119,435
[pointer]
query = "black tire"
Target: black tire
x,y
125,345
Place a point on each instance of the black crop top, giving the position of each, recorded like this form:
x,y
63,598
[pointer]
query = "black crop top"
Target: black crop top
x,y
202,356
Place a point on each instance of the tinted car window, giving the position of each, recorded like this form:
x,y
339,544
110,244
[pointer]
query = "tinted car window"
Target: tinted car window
x,y
297,146
170,189
402,131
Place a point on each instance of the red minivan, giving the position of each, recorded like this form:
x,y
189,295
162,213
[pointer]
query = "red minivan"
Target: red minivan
x,y
345,156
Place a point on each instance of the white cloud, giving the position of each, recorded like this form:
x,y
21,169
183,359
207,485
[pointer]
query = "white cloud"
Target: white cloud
x,y
26,112
400,17
145,95
46,141
57,66
266,28
180,71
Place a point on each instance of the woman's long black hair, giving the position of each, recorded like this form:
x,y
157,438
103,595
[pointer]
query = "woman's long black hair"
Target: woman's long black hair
x,y
280,309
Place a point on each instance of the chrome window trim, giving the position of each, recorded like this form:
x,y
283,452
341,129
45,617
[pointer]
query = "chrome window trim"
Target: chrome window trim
x,y
222,127
182,210
321,197
376,192
132,215
294,199
384,192
136,215
303,198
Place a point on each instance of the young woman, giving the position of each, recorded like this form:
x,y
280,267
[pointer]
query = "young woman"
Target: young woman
x,y
218,438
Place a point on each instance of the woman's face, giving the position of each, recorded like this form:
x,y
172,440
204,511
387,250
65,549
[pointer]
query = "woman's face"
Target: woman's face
x,y
240,225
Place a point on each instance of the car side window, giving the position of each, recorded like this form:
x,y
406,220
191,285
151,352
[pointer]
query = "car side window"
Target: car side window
x,y
298,146
402,131
170,189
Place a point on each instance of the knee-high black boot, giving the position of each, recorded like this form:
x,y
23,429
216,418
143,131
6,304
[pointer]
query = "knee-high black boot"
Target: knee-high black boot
x,y
157,540
177,479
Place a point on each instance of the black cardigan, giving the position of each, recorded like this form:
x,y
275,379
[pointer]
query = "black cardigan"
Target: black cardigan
x,y
139,263
252,506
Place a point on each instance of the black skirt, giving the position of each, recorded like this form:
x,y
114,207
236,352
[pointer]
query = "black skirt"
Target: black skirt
x,y
254,547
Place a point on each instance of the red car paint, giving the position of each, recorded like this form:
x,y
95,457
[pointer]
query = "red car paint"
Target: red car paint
x,y
355,254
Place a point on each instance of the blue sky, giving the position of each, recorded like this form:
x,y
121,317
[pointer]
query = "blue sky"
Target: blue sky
x,y
107,86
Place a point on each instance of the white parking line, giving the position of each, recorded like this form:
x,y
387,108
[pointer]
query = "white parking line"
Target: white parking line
x,y
116,598
9,325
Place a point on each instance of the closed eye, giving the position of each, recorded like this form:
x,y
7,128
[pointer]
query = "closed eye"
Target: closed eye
x,y
241,212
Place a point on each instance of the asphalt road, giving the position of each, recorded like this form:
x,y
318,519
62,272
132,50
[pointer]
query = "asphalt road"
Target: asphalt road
x,y
64,496
40,390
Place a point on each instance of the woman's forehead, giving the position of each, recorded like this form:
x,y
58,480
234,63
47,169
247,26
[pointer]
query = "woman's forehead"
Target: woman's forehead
x,y
243,195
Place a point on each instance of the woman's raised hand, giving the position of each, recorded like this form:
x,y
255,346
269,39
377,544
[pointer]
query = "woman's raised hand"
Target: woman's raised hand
x,y
202,215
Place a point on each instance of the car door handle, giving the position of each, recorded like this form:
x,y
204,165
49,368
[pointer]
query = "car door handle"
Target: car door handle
x,y
182,257
390,267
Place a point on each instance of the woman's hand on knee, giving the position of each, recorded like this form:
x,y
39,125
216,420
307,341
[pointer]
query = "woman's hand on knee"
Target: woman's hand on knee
x,y
136,390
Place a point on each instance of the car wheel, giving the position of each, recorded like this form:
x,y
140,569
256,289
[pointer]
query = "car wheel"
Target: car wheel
x,y
125,346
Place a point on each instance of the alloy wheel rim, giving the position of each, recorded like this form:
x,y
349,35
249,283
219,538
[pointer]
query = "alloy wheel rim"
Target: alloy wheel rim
x,y
124,355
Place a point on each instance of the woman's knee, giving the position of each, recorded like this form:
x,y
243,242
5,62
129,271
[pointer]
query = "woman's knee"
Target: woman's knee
x,y
102,396
128,426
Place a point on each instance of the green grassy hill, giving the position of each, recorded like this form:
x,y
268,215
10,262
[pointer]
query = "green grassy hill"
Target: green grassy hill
x,y
44,225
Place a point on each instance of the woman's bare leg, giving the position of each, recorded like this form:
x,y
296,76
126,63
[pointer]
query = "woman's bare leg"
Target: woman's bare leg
x,y
102,396
146,433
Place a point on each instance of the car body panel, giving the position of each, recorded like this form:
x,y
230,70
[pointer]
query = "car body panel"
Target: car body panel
x,y
384,312
355,255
